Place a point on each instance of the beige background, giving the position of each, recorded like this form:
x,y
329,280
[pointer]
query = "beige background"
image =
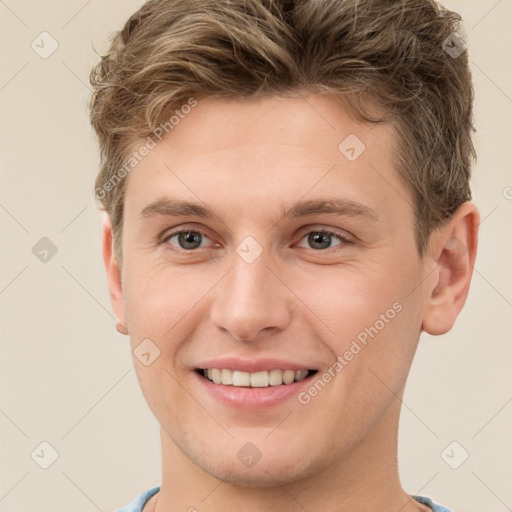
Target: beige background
x,y
67,377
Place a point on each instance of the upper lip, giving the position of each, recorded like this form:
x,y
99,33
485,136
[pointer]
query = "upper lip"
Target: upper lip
x,y
252,365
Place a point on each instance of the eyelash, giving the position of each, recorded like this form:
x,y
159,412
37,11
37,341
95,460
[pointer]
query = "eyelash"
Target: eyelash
x,y
343,239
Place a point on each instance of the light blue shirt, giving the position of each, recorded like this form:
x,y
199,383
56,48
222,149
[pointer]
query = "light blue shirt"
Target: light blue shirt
x,y
139,502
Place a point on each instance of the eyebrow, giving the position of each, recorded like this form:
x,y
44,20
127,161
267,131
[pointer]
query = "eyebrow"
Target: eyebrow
x,y
336,206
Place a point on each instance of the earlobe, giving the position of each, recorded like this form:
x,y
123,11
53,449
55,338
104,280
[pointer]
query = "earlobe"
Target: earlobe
x,y
454,253
113,273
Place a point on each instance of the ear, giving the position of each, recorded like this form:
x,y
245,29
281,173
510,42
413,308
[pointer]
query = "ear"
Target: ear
x,y
113,272
453,251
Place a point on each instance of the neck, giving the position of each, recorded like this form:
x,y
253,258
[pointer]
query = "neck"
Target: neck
x,y
366,478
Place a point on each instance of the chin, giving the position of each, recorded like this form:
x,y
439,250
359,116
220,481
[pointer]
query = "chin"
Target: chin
x,y
265,473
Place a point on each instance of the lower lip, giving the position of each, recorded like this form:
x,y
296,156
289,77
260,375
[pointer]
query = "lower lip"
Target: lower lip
x,y
253,398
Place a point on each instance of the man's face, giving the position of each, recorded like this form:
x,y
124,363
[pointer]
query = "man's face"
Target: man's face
x,y
278,292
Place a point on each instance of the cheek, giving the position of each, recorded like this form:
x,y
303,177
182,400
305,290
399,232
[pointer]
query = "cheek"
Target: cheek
x,y
348,298
373,324
158,295
169,402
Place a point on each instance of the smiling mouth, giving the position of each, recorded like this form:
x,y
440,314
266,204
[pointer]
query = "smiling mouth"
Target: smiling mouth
x,y
260,379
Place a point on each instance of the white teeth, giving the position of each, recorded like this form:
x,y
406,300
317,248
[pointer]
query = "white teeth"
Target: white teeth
x,y
216,375
300,375
227,377
275,377
288,376
261,379
241,378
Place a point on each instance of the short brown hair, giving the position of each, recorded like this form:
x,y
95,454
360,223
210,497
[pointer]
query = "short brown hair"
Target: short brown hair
x,y
385,56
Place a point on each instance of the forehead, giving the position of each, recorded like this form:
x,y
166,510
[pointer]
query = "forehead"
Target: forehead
x,y
267,151
314,125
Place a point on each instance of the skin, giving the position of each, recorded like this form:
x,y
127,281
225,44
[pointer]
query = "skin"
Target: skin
x,y
249,161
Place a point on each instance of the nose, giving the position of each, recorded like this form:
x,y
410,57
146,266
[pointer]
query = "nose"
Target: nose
x,y
251,299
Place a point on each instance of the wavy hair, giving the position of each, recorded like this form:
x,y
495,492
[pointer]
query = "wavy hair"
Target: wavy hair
x,y
385,60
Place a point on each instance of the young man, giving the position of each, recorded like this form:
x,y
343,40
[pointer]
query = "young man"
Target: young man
x,y
287,190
